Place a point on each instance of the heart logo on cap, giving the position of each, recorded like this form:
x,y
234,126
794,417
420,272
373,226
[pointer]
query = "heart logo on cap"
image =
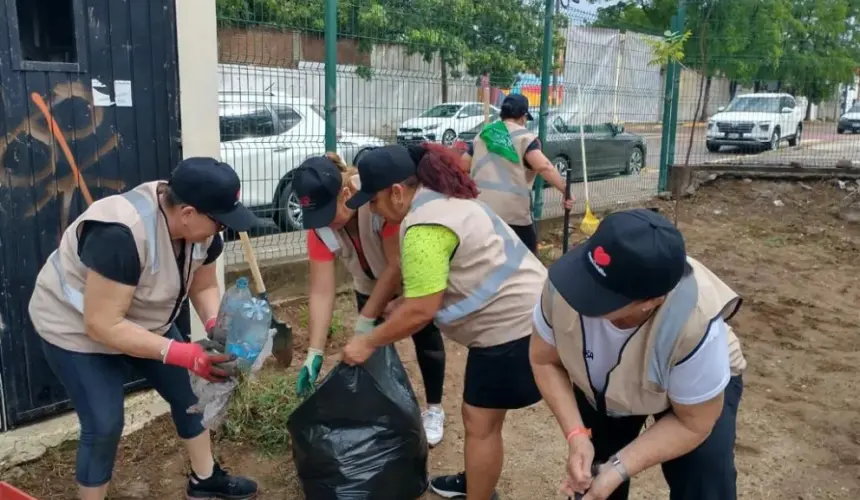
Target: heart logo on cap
x,y
305,201
601,258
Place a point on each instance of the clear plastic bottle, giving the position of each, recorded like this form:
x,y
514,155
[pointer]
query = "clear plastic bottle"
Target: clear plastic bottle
x,y
246,320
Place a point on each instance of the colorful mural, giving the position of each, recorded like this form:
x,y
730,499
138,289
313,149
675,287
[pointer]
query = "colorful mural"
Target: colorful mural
x,y
528,84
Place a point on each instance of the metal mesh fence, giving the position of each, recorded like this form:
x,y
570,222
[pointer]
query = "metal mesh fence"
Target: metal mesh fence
x,y
413,71
642,85
762,82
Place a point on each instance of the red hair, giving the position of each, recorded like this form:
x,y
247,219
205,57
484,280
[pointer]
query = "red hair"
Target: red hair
x,y
439,170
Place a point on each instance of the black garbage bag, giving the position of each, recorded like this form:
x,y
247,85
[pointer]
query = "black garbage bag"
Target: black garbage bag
x,y
359,436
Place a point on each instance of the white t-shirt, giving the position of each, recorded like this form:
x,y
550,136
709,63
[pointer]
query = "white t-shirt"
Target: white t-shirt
x,y
699,378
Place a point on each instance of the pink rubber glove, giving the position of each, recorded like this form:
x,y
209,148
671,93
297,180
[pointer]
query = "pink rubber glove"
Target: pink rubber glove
x,y
195,359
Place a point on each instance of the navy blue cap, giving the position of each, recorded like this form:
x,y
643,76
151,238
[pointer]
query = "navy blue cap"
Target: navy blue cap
x,y
213,188
381,168
634,255
515,106
317,183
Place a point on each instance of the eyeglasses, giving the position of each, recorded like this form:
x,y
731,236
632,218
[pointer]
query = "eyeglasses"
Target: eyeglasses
x,y
221,227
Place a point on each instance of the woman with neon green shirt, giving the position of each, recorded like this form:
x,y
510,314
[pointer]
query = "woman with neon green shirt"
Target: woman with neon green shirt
x,y
466,270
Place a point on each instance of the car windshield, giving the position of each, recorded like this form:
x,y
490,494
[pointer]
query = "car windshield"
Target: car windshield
x,y
442,111
754,104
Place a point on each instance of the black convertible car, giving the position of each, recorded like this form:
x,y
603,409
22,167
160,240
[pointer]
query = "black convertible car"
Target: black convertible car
x,y
609,149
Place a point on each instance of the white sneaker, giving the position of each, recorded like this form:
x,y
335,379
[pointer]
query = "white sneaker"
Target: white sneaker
x,y
434,424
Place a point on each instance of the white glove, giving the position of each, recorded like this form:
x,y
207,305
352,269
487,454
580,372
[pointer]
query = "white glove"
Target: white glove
x,y
364,325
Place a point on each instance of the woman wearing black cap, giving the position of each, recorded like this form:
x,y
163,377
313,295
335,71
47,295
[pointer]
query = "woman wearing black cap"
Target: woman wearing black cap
x,y
465,269
639,328
108,298
369,247
504,160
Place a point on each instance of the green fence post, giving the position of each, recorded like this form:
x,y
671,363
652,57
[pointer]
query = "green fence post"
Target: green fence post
x,y
670,105
331,75
546,69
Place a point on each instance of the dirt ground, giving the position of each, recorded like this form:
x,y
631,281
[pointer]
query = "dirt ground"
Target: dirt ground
x,y
780,245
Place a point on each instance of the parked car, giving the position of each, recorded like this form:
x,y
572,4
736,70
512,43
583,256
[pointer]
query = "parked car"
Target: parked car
x,y
850,121
760,121
442,123
609,149
265,136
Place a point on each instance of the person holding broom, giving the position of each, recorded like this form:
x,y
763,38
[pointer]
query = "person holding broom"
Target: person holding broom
x,y
370,248
467,270
629,326
504,160
108,297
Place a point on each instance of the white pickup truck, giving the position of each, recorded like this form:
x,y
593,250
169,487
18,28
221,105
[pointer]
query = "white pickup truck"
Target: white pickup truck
x,y
760,121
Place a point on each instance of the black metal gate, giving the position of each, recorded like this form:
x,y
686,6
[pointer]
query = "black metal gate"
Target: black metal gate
x,y
106,72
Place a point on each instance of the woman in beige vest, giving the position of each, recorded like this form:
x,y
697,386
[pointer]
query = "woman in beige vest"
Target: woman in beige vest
x,y
108,297
467,270
370,248
638,328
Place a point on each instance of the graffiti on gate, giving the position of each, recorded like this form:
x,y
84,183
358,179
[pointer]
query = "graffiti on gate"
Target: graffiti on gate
x,y
55,173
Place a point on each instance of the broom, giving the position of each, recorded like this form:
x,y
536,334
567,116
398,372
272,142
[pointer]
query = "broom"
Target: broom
x,y
589,222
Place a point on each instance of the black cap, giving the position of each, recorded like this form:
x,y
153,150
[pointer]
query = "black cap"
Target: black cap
x,y
515,106
213,188
317,182
634,255
381,168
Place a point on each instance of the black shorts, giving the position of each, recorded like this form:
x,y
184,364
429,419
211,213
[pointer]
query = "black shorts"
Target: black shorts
x,y
500,377
528,235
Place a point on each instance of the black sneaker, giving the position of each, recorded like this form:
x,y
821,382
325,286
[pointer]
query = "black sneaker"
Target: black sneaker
x,y
453,486
220,486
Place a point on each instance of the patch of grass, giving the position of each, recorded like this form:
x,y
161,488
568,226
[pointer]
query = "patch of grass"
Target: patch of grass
x,y
260,409
336,328
546,253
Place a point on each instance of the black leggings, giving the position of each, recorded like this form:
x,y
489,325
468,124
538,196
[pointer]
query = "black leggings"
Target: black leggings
x,y
528,235
430,351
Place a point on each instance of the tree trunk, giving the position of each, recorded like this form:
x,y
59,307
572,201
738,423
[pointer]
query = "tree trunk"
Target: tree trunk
x,y
733,89
444,79
705,99
756,86
808,115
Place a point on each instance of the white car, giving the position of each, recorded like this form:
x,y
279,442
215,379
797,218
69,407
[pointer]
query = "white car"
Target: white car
x,y
760,121
850,121
443,123
265,136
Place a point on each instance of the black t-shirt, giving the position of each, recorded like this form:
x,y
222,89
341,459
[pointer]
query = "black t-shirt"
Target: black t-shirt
x,y
535,144
109,249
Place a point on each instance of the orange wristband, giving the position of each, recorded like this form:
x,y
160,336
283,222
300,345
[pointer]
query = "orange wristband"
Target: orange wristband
x,y
578,431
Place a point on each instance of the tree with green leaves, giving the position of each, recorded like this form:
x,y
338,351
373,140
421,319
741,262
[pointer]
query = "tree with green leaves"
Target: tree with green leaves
x,y
500,38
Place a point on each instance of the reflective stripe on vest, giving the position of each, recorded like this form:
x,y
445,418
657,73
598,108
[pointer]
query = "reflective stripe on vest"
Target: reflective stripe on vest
x,y
515,252
676,313
148,212
327,236
505,182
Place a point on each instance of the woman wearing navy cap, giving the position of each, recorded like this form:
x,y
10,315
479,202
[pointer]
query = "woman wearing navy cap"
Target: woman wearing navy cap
x,y
370,248
629,326
108,298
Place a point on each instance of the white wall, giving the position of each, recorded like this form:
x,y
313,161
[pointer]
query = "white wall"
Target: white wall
x,y
197,40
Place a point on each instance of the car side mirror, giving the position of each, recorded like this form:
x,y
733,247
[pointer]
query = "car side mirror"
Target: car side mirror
x,y
617,129
721,109
787,110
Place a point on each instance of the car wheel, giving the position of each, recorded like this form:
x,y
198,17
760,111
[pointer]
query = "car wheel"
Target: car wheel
x,y
774,140
712,148
448,137
562,165
794,141
636,161
840,131
289,209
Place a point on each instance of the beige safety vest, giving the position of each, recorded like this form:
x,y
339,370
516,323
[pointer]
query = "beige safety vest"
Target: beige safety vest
x,y
494,280
57,305
340,244
638,385
504,186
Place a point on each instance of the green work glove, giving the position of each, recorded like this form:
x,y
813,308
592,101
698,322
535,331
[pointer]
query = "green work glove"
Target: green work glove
x,y
364,325
305,384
